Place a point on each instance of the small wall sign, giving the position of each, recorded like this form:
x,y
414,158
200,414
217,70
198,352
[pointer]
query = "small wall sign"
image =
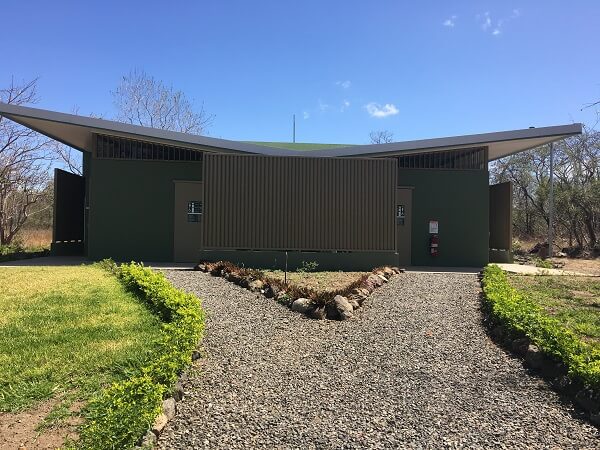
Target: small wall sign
x,y
433,227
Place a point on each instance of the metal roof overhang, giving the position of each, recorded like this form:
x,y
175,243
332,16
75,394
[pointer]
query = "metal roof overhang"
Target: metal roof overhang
x,y
77,132
499,144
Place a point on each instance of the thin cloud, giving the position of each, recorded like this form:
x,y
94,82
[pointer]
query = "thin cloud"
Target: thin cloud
x,y
495,27
378,111
345,105
344,84
322,106
486,21
306,115
450,22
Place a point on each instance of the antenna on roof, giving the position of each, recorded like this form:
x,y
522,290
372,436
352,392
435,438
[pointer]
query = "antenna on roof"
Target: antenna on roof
x,y
294,128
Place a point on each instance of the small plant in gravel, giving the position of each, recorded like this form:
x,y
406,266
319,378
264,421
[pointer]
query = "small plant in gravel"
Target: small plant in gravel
x,y
308,266
319,304
122,413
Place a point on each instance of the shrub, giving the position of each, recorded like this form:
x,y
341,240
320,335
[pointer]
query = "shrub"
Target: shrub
x,y
543,263
120,414
522,316
308,266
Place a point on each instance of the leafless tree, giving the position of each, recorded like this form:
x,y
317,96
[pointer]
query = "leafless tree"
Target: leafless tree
x,y
381,137
142,100
70,158
576,190
25,160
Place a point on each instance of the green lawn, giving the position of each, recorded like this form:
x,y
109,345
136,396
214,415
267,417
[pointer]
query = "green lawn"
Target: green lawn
x,y
575,301
65,332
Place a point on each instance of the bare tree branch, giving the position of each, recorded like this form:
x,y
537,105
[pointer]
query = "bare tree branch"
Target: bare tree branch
x,y
381,137
142,100
25,160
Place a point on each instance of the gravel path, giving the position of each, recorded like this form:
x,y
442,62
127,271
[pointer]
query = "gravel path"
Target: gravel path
x,y
413,369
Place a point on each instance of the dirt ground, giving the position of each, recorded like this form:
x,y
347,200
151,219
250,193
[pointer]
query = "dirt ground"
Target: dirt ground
x,y
19,430
319,281
587,266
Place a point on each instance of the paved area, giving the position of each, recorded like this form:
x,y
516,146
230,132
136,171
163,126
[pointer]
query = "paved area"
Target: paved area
x,y
47,261
413,369
524,269
78,260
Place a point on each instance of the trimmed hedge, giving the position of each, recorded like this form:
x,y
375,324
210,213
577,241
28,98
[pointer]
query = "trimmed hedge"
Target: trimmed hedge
x,y
120,415
522,316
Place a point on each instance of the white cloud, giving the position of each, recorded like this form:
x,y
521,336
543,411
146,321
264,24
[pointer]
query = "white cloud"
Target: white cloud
x,y
376,110
345,105
486,21
306,115
450,22
323,106
344,84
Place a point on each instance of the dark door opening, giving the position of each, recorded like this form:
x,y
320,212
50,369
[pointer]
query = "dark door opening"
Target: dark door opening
x,y
68,228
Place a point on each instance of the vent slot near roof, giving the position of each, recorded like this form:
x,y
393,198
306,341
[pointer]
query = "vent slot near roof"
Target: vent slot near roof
x,y
463,159
114,147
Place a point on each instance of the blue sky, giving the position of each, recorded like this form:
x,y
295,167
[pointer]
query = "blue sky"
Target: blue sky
x,y
345,68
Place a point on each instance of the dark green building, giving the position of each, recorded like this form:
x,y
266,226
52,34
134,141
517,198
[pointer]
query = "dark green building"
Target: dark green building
x,y
154,195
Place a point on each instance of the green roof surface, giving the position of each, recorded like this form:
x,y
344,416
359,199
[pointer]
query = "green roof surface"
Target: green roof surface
x,y
298,145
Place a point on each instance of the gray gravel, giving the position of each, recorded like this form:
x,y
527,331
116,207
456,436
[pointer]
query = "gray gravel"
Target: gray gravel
x,y
413,369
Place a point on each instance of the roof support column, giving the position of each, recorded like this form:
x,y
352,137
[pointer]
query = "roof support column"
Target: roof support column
x,y
551,203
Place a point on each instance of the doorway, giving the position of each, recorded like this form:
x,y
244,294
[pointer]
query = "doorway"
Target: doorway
x,y
403,217
188,218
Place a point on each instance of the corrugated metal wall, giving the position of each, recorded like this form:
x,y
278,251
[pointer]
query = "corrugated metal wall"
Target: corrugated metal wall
x,y
289,203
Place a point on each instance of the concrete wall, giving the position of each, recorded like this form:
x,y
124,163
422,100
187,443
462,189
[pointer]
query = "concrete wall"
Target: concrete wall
x,y
458,199
131,207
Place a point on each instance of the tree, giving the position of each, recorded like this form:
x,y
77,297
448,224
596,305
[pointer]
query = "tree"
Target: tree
x,y
70,158
140,99
25,160
381,137
576,188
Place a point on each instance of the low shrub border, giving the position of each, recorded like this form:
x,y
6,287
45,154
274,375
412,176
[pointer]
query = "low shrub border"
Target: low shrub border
x,y
8,254
121,415
336,305
569,363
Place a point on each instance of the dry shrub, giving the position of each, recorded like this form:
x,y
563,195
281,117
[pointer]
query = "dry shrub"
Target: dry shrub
x,y
35,237
319,297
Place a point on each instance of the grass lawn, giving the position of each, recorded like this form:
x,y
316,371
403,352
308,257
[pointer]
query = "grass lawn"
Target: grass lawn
x,y
575,301
65,332
318,281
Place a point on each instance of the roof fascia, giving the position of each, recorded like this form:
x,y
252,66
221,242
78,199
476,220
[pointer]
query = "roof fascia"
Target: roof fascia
x,y
418,146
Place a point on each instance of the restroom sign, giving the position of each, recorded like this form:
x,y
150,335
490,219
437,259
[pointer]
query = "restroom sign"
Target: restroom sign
x,y
433,227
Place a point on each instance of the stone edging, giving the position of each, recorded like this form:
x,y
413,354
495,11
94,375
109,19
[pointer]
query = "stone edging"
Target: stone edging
x,y
168,411
551,369
339,308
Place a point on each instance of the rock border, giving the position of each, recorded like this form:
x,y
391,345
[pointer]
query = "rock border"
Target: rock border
x,y
338,305
546,366
167,413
